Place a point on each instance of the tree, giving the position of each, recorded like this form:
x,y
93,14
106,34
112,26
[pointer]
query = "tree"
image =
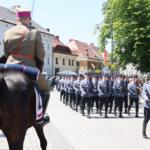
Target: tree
x,y
130,22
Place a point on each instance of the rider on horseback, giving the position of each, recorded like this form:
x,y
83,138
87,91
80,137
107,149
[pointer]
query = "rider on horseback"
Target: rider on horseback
x,y
23,45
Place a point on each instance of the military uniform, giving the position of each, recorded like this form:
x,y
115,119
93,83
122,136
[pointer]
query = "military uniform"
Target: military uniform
x,y
61,88
77,93
125,100
66,90
86,88
95,97
133,96
146,97
111,96
71,92
103,92
118,91
23,45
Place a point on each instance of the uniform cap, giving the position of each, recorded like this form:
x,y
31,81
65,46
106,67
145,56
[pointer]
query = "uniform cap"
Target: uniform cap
x,y
100,76
88,73
106,75
95,76
80,75
23,13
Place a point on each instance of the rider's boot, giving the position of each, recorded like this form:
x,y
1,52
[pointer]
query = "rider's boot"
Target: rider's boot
x,y
45,119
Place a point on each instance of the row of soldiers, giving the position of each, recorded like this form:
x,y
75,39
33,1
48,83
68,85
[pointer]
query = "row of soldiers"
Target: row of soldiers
x,y
86,91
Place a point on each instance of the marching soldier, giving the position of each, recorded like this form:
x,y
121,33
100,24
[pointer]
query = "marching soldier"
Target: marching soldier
x,y
66,90
111,97
71,92
77,91
61,88
86,88
103,92
23,45
118,88
95,97
133,94
125,100
146,97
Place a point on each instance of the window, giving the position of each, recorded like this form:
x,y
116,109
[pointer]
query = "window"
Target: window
x,y
43,44
72,62
63,61
48,46
77,64
48,61
56,60
69,62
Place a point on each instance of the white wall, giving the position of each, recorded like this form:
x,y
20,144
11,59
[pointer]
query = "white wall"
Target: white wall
x,y
48,63
65,66
3,27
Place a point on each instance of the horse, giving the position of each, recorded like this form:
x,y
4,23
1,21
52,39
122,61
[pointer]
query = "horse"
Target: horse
x,y
17,109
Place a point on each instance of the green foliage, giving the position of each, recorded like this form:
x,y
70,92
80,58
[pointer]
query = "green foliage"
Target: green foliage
x,y
130,22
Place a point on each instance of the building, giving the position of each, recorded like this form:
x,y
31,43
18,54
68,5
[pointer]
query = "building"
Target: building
x,y
88,57
64,59
8,20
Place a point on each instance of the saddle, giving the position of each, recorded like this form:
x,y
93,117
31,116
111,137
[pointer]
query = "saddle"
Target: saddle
x,y
31,72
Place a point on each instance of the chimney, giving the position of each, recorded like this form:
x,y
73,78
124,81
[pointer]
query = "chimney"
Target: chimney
x,y
70,40
92,44
47,29
57,37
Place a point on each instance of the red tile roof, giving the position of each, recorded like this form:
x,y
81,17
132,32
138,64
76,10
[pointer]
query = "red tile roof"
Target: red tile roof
x,y
59,47
83,49
56,41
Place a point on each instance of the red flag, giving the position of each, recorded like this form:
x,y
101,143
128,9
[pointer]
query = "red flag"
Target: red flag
x,y
105,57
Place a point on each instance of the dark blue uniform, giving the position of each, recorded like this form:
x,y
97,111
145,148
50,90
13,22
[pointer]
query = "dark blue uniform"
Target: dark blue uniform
x,y
103,92
86,88
61,88
95,97
77,93
146,97
125,100
118,92
71,92
133,94
66,91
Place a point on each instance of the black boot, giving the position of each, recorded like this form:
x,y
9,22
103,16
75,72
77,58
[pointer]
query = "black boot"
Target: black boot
x,y
45,101
45,119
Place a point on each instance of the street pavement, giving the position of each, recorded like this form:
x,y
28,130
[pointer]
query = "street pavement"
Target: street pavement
x,y
69,130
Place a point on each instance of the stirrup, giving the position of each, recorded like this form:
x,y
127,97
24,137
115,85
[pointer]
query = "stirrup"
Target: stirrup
x,y
43,121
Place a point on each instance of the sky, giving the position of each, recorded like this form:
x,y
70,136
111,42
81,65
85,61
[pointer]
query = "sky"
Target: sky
x,y
68,19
